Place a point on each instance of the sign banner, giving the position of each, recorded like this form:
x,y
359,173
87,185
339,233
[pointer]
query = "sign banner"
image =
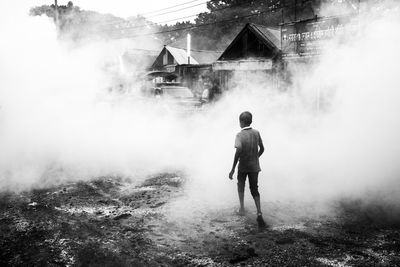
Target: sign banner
x,y
306,38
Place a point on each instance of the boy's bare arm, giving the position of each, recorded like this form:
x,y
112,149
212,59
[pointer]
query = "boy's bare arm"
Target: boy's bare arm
x,y
261,151
235,161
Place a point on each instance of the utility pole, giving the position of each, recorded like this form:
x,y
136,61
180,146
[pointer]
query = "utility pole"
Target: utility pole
x,y
56,14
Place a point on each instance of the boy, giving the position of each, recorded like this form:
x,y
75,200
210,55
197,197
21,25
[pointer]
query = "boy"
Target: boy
x,y
247,142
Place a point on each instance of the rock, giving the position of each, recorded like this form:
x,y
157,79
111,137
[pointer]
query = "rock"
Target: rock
x,y
122,216
157,205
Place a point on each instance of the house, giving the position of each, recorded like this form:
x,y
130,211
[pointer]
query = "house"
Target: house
x,y
189,70
170,58
256,48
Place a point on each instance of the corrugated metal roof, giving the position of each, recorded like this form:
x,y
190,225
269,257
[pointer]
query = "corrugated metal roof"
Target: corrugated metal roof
x,y
202,56
269,34
180,55
206,57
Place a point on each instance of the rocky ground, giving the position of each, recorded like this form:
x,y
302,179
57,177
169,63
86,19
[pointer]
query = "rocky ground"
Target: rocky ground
x,y
112,222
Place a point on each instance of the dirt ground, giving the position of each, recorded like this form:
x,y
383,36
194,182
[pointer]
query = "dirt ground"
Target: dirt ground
x,y
112,222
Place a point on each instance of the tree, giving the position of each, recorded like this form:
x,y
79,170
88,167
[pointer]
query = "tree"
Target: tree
x,y
211,30
217,27
78,24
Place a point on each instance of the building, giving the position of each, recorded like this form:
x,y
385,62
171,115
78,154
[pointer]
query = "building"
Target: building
x,y
170,58
189,70
256,49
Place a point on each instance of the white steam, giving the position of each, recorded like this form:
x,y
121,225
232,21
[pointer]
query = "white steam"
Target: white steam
x,y
58,124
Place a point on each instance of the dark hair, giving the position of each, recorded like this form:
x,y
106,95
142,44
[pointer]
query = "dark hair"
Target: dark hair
x,y
246,117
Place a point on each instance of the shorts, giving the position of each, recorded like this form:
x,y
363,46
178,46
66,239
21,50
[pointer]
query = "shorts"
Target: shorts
x,y
253,182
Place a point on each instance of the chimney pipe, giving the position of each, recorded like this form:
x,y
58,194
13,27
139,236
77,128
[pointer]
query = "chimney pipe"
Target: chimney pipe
x,y
188,48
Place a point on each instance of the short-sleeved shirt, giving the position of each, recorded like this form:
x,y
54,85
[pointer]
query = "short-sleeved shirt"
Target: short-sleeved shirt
x,y
248,140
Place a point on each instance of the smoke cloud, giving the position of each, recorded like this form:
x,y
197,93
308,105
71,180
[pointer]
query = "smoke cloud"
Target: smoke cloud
x,y
58,122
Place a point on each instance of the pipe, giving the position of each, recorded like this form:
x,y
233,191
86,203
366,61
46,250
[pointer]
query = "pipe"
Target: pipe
x,y
188,48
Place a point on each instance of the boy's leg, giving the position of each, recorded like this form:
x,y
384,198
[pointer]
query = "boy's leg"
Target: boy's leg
x,y
253,182
240,185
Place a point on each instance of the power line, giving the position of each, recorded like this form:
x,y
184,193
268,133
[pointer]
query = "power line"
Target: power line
x,y
186,17
215,10
205,24
106,24
197,50
173,11
113,22
176,19
155,11
119,22
193,50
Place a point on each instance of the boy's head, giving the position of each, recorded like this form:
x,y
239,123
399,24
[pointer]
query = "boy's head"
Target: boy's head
x,y
245,119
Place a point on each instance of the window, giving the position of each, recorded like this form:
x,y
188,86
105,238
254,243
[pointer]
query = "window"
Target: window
x,y
165,58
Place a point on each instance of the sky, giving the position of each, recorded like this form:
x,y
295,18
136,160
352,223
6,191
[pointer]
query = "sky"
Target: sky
x,y
128,8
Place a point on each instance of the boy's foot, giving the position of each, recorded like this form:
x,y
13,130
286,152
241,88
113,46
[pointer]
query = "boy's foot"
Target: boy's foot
x,y
241,212
260,221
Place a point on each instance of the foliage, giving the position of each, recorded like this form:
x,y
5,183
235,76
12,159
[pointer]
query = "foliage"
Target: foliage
x,y
78,24
211,30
